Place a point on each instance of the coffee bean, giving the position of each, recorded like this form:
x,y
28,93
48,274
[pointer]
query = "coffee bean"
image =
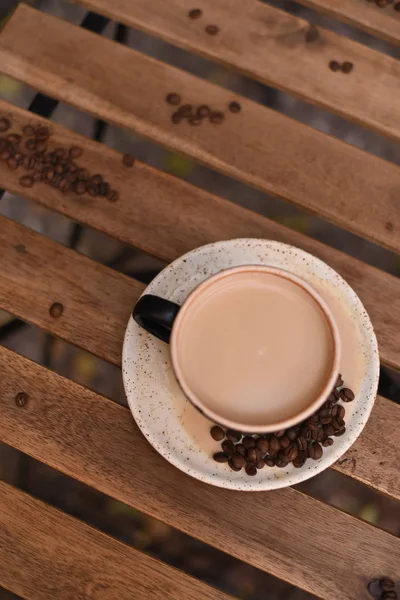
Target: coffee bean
x,y
93,190
105,188
248,442
260,464
347,67
75,152
251,469
5,154
233,436
13,138
327,442
195,13
329,429
113,196
59,169
19,157
96,179
386,584
80,187
203,111
240,449
301,443
313,426
56,310
235,107
299,460
307,434
83,174
4,125
232,466
195,121
252,455
30,145
337,423
281,460
238,461
217,433
228,447
280,433
216,118
317,451
269,461
292,433
291,453
220,457
274,444
212,29
389,595
326,420
177,118
340,432
173,99
339,381
284,441
42,133
347,395
128,160
341,411
263,445
185,110
334,65
29,162
26,181
12,164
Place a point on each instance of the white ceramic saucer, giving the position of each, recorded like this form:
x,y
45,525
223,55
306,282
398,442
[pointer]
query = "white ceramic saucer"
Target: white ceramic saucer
x,y
176,429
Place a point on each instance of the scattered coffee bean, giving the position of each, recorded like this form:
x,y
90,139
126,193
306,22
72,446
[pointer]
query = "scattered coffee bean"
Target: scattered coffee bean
x,y
173,99
26,181
177,118
347,395
195,121
252,455
212,29
299,460
263,445
251,469
240,449
274,444
203,111
269,461
195,13
80,187
75,152
292,453
128,160
235,107
334,65
327,442
233,436
339,381
248,442
284,441
386,584
21,399
28,130
340,432
12,164
216,118
42,133
347,67
232,465
238,461
217,433
228,447
14,138
280,433
260,464
220,457
4,125
113,196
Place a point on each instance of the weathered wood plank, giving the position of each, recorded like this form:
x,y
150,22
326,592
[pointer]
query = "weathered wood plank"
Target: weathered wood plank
x,y
270,45
284,532
167,217
384,23
35,272
258,146
45,553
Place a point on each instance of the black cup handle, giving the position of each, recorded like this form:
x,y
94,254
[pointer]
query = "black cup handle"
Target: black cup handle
x,y
156,315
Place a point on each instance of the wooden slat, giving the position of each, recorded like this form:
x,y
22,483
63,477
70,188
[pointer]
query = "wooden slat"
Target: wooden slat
x,y
259,146
384,23
45,554
167,217
97,303
270,45
284,532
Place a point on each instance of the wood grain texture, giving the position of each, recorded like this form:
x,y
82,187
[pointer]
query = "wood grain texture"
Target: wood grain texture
x,y
167,217
284,532
258,146
384,23
35,272
45,554
270,45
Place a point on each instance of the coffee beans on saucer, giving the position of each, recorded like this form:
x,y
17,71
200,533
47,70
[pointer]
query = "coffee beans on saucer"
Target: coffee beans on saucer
x,y
295,445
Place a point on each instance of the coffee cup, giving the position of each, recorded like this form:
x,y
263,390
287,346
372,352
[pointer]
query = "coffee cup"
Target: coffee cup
x,y
254,348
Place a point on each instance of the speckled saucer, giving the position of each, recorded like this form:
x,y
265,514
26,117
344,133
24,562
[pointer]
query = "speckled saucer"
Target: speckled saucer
x,y
177,430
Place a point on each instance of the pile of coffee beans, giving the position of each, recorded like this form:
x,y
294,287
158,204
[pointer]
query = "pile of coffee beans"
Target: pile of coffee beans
x,y
197,13
386,3
30,150
383,589
345,67
294,445
195,115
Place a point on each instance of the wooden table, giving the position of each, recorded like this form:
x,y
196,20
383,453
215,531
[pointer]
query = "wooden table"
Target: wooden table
x,y
47,554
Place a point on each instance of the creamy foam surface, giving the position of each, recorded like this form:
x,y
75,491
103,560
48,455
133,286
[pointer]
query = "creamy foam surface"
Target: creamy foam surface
x,y
254,347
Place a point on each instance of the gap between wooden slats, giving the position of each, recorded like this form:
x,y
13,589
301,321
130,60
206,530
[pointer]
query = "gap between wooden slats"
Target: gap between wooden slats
x,y
45,553
35,272
382,22
167,217
284,532
257,146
